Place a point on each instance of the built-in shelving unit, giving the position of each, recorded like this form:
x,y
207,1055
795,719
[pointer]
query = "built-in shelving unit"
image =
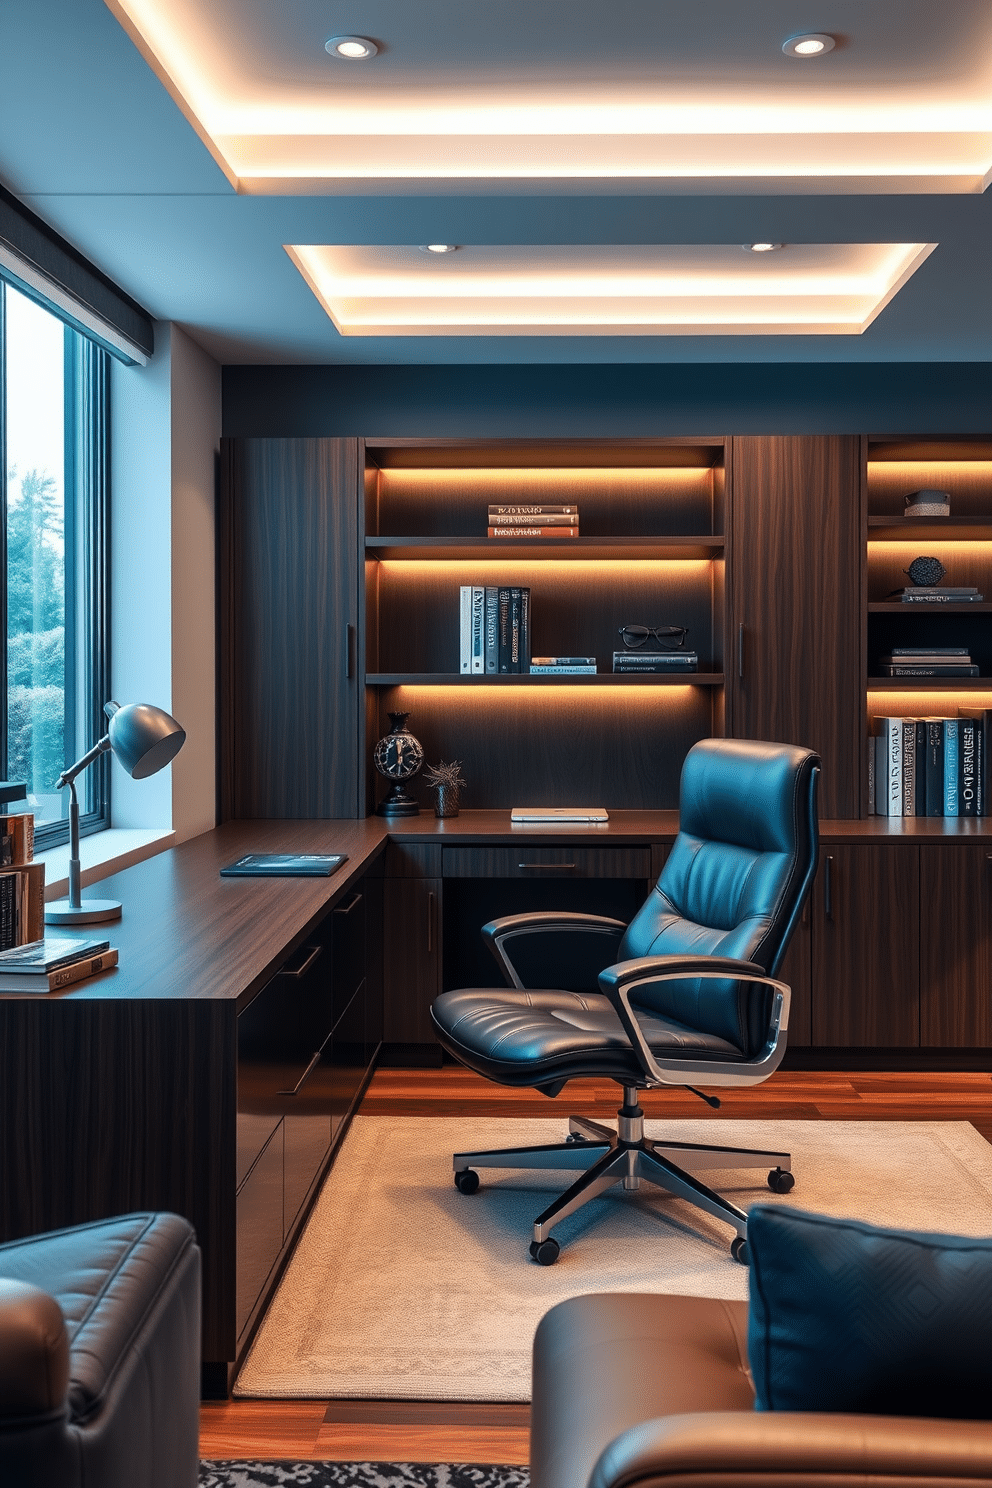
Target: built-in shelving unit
x,y
651,514
962,542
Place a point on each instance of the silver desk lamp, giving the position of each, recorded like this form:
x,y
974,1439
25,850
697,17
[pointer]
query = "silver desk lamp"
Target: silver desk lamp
x,y
145,739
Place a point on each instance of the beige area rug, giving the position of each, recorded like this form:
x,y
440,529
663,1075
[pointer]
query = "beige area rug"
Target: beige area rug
x,y
403,1288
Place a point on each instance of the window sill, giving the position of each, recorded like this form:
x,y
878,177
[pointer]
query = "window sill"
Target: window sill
x,y
102,854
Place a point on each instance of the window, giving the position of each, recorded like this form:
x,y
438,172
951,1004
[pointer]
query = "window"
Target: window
x,y
53,504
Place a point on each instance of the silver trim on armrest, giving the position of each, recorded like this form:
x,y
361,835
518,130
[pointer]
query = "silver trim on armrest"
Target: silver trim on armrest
x,y
617,983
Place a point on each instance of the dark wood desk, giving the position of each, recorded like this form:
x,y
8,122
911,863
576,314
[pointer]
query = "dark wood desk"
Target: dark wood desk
x,y
124,1092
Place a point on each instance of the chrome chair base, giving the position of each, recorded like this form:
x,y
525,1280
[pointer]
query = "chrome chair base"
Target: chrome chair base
x,y
607,1157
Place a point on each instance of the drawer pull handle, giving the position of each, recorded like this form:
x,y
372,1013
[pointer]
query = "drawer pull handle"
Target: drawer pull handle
x,y
431,901
740,651
828,898
349,651
345,909
548,867
301,971
296,1088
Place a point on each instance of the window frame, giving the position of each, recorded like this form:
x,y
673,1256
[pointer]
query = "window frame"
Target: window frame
x,y
86,416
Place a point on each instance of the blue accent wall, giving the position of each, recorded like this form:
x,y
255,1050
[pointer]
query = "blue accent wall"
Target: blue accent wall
x,y
608,401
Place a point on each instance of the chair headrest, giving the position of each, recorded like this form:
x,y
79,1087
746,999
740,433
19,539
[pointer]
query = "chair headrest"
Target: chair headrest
x,y
746,792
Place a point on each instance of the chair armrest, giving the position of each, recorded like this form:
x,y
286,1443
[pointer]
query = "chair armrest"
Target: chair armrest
x,y
34,1352
618,982
800,1446
593,938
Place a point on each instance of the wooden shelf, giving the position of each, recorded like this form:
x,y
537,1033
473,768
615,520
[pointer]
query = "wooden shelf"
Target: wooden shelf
x,y
472,548
912,529
894,607
524,679
930,684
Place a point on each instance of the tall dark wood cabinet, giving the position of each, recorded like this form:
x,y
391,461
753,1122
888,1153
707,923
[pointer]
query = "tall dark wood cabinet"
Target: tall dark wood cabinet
x,y
796,557
290,629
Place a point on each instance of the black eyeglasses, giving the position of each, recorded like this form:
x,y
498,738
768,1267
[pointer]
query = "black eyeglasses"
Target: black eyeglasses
x,y
668,637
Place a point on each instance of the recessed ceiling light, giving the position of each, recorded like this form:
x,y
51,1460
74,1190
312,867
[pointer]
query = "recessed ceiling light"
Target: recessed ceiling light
x,y
810,44
761,247
352,48
439,248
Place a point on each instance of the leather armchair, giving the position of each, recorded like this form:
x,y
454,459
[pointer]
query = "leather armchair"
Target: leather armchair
x,y
679,1410
685,994
100,1356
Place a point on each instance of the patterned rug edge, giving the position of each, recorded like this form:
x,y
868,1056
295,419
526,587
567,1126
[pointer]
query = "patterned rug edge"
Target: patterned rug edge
x,y
292,1474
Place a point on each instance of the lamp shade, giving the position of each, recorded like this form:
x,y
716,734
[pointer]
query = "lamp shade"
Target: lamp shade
x,y
144,738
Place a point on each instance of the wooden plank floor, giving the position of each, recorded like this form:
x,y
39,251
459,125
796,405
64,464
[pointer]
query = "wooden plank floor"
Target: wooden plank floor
x,y
422,1431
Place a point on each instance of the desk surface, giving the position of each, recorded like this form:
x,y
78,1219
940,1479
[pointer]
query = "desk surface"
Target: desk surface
x,y
188,933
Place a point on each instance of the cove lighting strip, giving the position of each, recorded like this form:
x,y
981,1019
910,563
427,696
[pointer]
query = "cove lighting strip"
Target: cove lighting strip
x,y
275,125
575,291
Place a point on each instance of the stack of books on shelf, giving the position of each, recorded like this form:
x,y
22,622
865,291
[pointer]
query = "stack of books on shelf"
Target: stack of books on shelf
x,y
928,661
563,666
494,629
22,882
937,594
48,965
655,661
929,766
533,521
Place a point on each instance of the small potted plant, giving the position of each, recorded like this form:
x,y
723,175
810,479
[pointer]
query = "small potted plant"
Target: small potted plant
x,y
446,782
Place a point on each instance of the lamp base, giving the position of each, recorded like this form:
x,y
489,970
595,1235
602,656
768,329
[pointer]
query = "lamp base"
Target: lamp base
x,y
90,912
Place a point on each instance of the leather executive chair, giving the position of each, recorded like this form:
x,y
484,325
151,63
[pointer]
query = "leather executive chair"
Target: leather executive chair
x,y
685,993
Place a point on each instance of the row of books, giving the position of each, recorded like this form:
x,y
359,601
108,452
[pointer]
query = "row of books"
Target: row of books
x,y
928,661
494,629
533,521
22,882
931,766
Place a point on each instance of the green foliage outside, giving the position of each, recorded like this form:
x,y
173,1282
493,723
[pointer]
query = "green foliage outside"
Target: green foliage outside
x,y
36,631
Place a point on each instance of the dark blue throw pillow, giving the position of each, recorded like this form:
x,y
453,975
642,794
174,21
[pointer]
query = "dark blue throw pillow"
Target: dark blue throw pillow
x,y
848,1317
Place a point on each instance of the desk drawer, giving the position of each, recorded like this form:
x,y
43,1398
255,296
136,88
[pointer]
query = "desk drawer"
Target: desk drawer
x,y
536,862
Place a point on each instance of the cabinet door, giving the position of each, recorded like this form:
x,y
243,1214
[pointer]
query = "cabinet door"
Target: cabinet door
x,y
795,603
289,637
411,962
955,947
866,947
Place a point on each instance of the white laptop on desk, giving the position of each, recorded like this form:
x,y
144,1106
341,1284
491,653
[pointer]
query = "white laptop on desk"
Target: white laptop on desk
x,y
531,814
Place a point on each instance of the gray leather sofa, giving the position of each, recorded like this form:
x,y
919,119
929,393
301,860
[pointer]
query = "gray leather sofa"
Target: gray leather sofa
x,y
633,1391
100,1356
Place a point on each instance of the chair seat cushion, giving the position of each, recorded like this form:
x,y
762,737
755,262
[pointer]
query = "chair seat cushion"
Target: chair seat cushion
x,y
849,1317
524,1037
106,1278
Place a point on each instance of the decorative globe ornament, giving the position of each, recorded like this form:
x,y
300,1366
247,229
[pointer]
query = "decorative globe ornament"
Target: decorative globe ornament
x,y
398,756
928,571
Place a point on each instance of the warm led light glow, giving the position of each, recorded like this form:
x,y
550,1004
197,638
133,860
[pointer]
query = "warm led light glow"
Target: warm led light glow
x,y
440,247
626,290
353,48
814,44
762,247
278,129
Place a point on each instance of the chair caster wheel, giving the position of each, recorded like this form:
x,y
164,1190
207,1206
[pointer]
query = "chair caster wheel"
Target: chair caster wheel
x,y
780,1180
738,1249
574,1137
545,1252
467,1181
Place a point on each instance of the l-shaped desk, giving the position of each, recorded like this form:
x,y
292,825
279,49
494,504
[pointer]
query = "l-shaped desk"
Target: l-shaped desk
x,y
215,1069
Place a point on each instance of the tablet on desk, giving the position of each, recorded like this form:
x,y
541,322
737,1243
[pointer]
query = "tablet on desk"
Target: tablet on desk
x,y
284,865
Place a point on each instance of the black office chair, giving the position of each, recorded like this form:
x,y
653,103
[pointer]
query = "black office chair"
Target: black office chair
x,y
688,994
